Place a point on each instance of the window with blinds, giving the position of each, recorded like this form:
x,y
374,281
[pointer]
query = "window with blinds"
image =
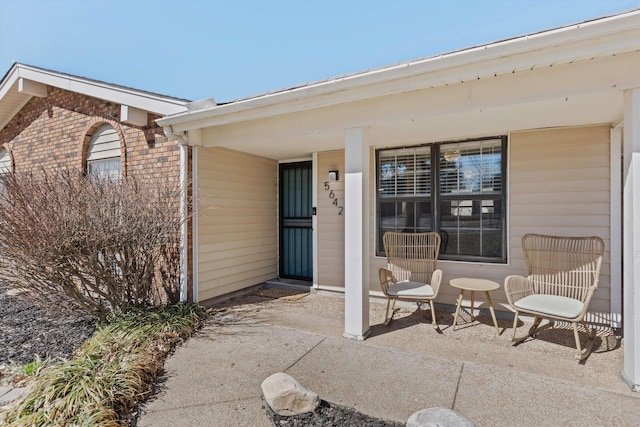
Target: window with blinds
x,y
462,196
405,172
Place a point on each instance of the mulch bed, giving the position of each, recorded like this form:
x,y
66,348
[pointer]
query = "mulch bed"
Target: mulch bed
x,y
329,415
26,330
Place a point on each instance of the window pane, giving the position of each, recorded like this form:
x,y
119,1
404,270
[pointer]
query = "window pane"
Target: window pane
x,y
408,217
471,167
405,172
104,168
472,227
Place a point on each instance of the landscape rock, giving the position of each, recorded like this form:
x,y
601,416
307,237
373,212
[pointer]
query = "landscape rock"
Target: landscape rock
x,y
14,291
438,417
286,396
27,330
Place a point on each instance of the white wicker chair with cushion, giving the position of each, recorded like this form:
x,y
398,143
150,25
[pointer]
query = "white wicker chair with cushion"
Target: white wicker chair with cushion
x,y
563,276
411,273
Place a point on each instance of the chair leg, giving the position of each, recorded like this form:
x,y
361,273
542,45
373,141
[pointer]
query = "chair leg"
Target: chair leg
x,y
532,331
434,321
590,332
584,353
390,304
534,328
515,326
455,316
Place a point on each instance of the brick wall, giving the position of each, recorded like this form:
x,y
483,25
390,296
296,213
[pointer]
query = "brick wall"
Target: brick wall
x,y
54,132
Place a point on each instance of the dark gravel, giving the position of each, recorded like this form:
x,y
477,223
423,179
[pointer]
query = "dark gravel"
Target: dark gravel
x,y
26,330
330,415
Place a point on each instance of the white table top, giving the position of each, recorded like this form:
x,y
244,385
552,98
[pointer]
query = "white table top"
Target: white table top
x,y
474,284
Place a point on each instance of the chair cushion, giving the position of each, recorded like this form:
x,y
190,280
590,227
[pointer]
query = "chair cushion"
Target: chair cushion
x,y
411,289
551,304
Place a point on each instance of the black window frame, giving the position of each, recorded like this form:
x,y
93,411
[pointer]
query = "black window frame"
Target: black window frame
x,y
435,197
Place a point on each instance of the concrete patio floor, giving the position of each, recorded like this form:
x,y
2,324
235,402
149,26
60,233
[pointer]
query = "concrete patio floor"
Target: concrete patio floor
x,y
214,379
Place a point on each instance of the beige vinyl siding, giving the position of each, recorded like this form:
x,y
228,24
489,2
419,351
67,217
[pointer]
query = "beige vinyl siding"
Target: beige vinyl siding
x,y
558,184
330,223
237,221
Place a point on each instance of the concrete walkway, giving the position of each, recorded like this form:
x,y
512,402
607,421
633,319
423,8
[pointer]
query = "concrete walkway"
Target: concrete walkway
x,y
214,379
9,394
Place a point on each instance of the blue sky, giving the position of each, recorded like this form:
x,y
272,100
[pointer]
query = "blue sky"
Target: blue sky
x,y
198,49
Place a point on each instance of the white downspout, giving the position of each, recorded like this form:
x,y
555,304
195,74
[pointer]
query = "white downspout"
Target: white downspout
x,y
183,141
616,226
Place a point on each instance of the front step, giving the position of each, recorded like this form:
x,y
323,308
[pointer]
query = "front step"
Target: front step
x,y
291,284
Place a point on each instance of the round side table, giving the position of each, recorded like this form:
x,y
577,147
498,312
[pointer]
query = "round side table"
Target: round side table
x,y
473,285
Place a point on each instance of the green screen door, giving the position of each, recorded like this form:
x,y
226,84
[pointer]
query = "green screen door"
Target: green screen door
x,y
296,234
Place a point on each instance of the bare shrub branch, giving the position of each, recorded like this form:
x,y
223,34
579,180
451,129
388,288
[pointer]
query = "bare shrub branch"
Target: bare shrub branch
x,y
94,244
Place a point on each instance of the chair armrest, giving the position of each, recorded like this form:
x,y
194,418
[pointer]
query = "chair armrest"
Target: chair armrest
x,y
517,287
386,279
436,279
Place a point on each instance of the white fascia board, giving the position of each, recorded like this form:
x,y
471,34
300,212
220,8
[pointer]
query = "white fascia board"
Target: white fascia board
x,y
119,95
586,40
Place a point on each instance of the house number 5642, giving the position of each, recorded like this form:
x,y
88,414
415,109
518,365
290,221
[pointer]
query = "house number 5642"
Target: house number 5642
x,y
333,198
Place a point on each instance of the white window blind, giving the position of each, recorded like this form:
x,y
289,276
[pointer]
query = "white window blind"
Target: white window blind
x,y
405,172
471,167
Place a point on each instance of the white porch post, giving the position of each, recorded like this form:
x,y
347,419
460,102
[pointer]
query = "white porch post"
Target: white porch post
x,y
631,239
356,235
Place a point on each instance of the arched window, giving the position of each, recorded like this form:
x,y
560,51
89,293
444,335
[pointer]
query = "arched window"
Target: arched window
x,y
5,161
103,155
5,168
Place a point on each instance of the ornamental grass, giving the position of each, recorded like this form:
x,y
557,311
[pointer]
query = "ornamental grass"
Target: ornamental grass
x,y
111,373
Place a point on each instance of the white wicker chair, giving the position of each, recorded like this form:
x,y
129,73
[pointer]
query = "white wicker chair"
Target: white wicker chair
x,y
563,275
411,273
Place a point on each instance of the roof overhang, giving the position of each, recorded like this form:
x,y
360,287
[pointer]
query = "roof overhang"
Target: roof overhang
x,y
22,82
599,38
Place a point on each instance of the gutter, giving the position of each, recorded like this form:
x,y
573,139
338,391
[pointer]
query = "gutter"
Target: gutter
x,y
182,139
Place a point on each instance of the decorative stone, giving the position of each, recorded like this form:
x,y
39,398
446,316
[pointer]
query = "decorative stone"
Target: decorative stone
x,y
15,291
286,396
438,417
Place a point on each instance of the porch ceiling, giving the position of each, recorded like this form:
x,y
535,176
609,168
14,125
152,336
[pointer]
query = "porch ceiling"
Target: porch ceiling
x,y
580,93
605,107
